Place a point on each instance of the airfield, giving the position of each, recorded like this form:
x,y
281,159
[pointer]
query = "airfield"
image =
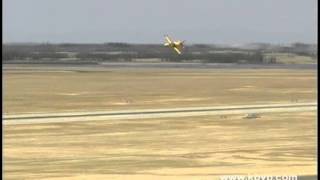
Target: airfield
x,y
173,122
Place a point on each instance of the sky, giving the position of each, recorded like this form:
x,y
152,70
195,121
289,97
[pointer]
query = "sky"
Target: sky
x,y
147,21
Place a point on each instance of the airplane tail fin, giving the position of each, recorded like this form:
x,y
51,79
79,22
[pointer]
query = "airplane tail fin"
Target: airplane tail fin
x,y
182,43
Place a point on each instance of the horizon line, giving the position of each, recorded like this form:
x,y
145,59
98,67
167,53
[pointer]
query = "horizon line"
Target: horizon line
x,y
136,43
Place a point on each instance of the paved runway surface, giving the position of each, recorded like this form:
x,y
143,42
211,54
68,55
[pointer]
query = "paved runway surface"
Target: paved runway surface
x,y
155,113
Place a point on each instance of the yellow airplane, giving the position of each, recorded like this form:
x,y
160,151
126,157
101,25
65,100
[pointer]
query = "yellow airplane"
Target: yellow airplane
x,y
176,45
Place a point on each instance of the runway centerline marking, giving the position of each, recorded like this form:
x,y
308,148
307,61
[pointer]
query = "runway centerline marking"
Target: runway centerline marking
x,y
155,113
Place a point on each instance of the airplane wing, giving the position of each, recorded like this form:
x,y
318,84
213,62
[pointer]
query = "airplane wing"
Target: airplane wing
x,y
177,50
168,39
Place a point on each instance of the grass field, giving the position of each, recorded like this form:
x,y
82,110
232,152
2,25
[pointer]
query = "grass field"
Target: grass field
x,y
113,89
174,148
166,148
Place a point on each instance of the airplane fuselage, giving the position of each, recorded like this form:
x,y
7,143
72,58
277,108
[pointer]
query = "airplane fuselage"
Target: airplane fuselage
x,y
173,44
176,45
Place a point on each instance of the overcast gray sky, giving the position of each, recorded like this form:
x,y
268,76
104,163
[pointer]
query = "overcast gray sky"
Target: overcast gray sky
x,y
146,21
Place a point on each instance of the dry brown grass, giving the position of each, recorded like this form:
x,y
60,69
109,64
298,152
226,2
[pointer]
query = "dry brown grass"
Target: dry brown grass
x,y
171,148
55,91
175,148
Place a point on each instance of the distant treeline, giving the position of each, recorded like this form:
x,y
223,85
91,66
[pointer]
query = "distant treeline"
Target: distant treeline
x,y
114,52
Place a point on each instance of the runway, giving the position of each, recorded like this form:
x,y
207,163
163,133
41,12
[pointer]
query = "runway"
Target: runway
x,y
155,113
